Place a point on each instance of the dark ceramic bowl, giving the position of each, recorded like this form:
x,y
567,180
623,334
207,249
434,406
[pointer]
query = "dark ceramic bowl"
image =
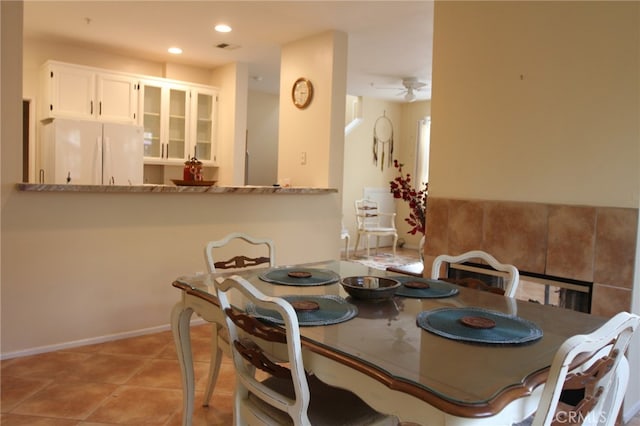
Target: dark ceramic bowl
x,y
370,287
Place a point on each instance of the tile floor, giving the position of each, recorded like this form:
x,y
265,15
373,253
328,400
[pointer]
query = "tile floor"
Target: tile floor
x,y
132,381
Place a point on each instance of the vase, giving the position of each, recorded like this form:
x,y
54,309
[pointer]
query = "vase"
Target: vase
x,y
421,248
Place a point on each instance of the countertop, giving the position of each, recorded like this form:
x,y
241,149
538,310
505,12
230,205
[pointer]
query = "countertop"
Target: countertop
x,y
248,189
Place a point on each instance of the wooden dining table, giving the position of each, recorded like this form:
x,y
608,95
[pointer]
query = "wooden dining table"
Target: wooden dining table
x,y
395,365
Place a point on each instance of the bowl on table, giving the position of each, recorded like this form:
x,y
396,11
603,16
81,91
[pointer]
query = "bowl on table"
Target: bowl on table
x,y
370,288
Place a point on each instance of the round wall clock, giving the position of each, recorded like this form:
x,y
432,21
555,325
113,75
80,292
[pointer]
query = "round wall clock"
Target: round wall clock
x,y
302,93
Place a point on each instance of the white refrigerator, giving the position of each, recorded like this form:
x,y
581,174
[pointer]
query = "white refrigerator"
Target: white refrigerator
x,y
83,152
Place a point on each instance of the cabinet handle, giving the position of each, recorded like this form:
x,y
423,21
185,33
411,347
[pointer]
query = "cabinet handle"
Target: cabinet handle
x,y
91,111
162,153
100,108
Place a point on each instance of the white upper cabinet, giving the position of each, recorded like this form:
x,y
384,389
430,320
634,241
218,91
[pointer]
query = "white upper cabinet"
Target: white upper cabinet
x,y
204,103
179,122
71,91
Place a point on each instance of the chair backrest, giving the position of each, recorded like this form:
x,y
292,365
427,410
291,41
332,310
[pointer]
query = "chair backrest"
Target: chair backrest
x,y
512,274
248,352
600,381
239,261
369,216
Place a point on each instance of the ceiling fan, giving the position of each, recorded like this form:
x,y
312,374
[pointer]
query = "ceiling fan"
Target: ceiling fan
x,y
410,86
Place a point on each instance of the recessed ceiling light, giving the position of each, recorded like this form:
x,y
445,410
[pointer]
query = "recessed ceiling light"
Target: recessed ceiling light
x,y
175,50
222,28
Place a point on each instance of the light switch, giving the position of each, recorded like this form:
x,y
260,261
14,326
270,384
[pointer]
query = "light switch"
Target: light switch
x,y
303,158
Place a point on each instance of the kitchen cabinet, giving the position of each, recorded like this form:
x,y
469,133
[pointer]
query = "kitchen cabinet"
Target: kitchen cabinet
x,y
73,91
204,104
179,122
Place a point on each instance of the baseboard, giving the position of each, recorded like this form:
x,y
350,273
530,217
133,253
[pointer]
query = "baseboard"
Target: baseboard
x,y
91,341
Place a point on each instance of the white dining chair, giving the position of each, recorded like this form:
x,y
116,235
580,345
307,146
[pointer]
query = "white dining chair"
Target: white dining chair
x,y
265,256
512,276
283,393
373,223
344,235
600,381
240,261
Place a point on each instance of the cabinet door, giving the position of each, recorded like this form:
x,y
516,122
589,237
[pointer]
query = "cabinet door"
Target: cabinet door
x,y
71,92
203,125
117,99
151,114
164,110
177,130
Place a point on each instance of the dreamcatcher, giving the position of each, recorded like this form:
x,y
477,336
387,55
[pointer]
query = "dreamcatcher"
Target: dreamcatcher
x,y
383,141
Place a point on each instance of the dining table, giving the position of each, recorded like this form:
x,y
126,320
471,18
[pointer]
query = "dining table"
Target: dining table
x,y
438,354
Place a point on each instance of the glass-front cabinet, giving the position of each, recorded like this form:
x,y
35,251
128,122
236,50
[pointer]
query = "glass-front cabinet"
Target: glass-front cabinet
x,y
203,124
179,122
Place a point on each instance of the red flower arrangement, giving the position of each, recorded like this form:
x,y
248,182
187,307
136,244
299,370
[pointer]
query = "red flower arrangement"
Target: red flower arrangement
x,y
402,187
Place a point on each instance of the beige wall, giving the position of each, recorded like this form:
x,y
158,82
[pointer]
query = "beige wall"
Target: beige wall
x,y
317,130
361,172
79,267
539,102
262,138
232,80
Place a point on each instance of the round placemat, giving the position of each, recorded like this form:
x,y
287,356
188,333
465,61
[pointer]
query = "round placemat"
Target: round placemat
x,y
332,310
300,276
508,329
435,290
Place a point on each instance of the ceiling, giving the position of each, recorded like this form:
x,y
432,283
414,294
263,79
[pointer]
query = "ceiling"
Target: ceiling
x,y
388,40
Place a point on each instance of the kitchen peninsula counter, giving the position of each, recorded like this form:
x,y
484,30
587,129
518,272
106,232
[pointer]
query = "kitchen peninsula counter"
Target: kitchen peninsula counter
x,y
248,189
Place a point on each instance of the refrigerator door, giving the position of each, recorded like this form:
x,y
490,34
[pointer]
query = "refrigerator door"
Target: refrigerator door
x,y
122,160
72,152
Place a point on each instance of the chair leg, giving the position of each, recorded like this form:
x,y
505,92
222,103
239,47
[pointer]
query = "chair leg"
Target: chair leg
x,y
395,243
214,366
346,247
355,249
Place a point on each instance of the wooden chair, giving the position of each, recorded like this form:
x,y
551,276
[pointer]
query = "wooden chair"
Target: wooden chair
x,y
283,393
600,381
371,222
512,274
219,342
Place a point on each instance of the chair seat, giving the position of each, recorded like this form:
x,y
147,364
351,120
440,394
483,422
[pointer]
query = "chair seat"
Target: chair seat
x,y
329,406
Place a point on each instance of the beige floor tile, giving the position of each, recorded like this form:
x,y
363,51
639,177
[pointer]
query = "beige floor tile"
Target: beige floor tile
x,y
66,400
149,345
220,413
106,368
16,389
161,373
134,405
44,366
18,420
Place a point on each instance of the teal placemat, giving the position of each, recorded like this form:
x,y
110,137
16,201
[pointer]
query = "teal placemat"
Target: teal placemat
x,y
317,276
437,289
333,309
508,329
